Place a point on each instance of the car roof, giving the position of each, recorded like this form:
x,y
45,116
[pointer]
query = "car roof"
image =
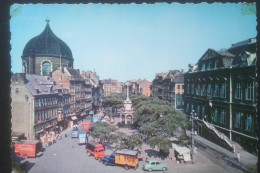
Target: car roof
x,y
153,161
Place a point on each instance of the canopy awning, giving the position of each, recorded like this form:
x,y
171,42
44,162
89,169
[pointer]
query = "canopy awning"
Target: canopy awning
x,y
83,114
74,118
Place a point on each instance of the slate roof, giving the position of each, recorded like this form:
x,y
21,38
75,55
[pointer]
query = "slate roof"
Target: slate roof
x,y
41,85
179,78
47,44
74,74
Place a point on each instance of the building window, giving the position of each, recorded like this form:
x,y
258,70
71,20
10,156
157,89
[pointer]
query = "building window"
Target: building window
x,y
198,110
216,91
192,107
203,67
203,90
223,116
46,68
238,93
178,86
209,64
187,107
249,91
216,64
249,123
203,111
223,90
198,90
238,120
215,115
209,90
188,89
192,89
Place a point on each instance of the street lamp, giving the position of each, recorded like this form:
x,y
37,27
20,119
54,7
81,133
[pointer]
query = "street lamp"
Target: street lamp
x,y
193,118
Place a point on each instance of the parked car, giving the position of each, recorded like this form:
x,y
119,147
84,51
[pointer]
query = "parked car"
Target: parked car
x,y
153,165
74,133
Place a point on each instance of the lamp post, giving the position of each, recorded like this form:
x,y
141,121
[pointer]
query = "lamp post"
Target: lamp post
x,y
192,118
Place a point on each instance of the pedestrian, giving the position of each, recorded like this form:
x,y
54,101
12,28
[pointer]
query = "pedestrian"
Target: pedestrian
x,y
238,156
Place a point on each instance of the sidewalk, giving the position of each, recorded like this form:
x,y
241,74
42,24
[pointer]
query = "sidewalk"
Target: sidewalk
x,y
247,162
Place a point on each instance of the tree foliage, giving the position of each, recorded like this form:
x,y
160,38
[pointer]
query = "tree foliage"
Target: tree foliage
x,y
114,100
128,142
163,144
103,132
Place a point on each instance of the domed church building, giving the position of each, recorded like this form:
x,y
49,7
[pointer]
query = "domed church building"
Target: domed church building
x,y
46,53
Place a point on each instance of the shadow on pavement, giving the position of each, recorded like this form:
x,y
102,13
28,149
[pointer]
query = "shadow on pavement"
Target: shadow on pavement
x,y
29,166
152,153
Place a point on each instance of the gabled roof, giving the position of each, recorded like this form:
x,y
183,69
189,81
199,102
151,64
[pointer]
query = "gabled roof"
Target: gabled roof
x,y
73,74
211,53
179,78
41,85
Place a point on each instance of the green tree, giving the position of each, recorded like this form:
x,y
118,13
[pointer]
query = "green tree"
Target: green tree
x,y
115,101
163,144
103,132
128,142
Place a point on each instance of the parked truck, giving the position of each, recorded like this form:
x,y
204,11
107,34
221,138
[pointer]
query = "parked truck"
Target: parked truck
x,y
86,126
82,137
96,149
125,157
28,148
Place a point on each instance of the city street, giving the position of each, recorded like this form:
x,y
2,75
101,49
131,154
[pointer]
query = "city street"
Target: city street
x,y
67,156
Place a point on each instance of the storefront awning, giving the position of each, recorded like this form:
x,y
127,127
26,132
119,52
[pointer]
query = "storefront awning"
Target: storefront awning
x,y
83,114
40,131
91,112
74,118
48,126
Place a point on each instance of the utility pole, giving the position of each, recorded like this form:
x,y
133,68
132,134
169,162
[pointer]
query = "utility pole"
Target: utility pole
x,y
193,117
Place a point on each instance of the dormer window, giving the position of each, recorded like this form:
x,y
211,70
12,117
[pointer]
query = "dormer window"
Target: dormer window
x,y
216,64
203,67
209,64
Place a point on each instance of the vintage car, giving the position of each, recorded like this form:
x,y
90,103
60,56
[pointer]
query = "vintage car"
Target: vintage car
x,y
74,133
154,165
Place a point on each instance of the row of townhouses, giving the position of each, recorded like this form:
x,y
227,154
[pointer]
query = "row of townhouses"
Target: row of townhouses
x,y
169,86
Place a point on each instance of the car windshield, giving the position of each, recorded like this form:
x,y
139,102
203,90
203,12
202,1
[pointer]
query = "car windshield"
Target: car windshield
x,y
100,150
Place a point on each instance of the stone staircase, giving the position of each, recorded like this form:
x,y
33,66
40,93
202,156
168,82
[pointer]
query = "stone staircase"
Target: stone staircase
x,y
224,141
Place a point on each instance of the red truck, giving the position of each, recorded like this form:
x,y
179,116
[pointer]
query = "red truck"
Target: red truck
x,y
95,149
28,148
86,126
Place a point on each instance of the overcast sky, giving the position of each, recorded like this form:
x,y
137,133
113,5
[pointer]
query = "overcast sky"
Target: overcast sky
x,y
130,41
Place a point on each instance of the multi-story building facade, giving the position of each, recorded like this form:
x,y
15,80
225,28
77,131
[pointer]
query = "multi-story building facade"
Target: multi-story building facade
x,y
96,88
138,87
35,103
165,86
111,86
79,92
145,87
221,89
